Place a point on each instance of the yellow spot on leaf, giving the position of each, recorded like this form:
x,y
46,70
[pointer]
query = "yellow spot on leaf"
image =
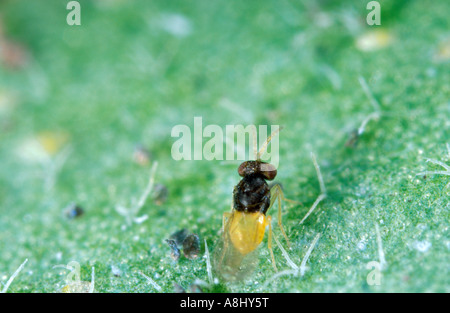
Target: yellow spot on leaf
x,y
52,142
442,53
374,40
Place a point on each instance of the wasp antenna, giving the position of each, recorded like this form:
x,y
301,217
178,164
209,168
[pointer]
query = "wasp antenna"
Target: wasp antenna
x,y
255,142
266,143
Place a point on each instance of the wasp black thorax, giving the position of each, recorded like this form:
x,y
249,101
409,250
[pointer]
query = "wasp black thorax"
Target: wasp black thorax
x,y
252,194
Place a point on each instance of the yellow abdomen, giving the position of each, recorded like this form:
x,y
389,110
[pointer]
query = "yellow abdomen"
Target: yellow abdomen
x,y
246,230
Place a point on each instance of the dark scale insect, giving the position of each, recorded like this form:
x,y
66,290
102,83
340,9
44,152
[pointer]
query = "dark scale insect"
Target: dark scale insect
x,y
191,246
244,226
174,251
189,242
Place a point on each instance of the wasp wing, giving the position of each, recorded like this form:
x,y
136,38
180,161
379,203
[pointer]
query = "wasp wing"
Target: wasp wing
x,y
228,262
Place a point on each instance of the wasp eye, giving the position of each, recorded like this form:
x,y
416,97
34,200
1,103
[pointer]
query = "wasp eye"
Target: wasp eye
x,y
268,170
257,167
243,169
249,168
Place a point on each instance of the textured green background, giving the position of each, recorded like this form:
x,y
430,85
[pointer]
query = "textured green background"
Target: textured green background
x,y
124,77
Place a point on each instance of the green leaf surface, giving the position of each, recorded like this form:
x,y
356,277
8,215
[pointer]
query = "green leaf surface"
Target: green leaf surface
x,y
84,97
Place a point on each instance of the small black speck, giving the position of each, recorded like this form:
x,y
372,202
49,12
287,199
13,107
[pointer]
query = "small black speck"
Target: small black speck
x,y
141,155
160,194
73,211
353,139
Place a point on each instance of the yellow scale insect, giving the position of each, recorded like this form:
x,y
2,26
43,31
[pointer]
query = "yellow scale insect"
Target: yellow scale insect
x,y
245,225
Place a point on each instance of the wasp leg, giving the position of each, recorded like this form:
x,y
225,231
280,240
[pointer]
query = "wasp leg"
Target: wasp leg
x,y
269,242
277,188
277,194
